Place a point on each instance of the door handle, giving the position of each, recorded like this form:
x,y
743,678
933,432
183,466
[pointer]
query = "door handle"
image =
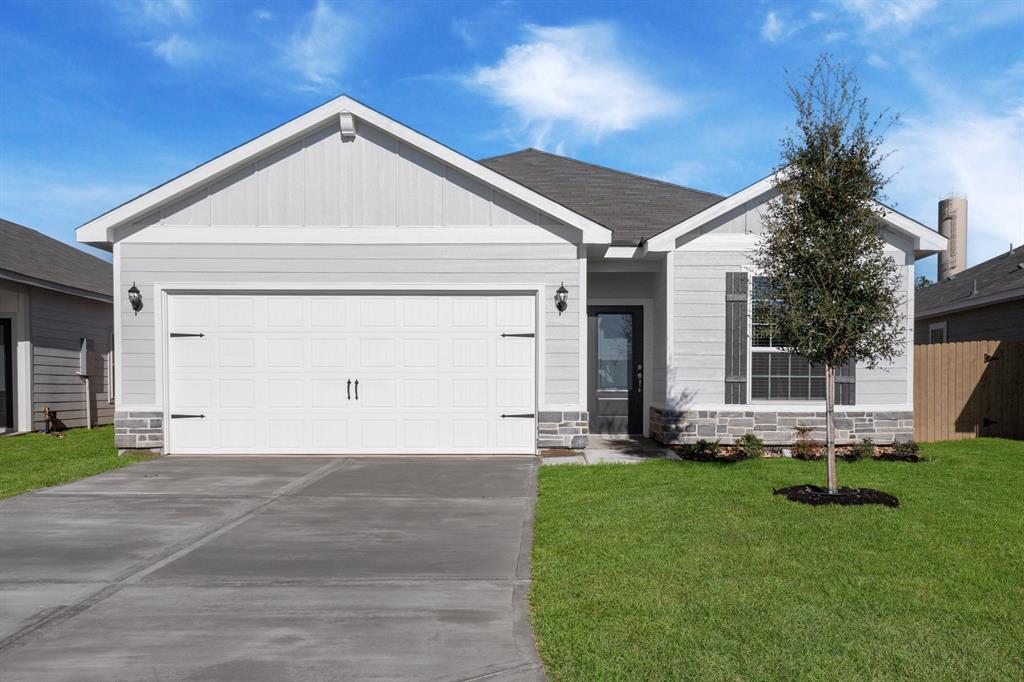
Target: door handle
x,y
348,389
357,389
639,377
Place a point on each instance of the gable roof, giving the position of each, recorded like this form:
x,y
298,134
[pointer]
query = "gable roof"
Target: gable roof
x,y
31,257
100,230
997,279
635,208
926,240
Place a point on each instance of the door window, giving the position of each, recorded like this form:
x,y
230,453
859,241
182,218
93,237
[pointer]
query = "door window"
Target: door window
x,y
614,351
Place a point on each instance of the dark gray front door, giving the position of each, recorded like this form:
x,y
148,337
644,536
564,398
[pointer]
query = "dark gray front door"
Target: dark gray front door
x,y
615,357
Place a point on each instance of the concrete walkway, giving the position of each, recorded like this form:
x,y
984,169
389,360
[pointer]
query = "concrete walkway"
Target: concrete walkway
x,y
272,569
616,450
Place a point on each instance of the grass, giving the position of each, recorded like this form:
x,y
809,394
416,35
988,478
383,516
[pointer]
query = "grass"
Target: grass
x,y
39,460
687,570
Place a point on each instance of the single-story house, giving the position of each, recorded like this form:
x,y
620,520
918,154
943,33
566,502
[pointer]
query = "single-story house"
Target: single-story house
x,y
344,283
981,303
56,333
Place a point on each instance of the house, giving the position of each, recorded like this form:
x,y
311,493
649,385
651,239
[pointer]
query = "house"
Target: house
x,y
343,283
981,303
56,331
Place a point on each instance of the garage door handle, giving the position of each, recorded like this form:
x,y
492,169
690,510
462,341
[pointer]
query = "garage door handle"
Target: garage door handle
x,y
188,416
179,335
521,336
518,416
348,389
357,389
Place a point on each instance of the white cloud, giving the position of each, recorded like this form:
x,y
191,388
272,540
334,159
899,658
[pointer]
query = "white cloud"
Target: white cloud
x,y
263,14
165,11
318,49
772,29
878,61
979,154
879,14
573,80
176,50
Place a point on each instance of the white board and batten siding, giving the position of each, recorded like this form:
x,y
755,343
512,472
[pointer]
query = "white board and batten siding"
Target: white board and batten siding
x,y
696,378
323,180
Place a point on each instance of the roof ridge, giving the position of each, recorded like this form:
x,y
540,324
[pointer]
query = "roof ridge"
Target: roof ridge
x,y
606,168
1012,253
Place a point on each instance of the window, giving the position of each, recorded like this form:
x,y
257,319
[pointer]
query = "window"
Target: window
x,y
937,332
774,373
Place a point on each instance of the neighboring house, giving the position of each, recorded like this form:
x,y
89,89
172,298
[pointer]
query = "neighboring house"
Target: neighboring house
x,y
343,283
56,325
982,303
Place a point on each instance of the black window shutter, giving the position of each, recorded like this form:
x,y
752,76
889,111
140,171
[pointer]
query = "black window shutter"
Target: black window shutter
x,y
735,337
846,383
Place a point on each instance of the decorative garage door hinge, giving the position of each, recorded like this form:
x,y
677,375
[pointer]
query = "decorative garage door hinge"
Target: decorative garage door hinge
x,y
529,415
178,335
188,416
528,335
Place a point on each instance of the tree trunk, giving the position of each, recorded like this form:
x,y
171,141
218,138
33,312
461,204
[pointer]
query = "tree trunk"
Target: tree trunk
x,y
830,437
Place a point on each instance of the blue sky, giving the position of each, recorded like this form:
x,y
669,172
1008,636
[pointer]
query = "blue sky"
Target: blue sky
x,y
100,101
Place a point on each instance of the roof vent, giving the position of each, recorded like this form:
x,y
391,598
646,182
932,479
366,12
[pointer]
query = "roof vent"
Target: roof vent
x,y
974,288
1020,266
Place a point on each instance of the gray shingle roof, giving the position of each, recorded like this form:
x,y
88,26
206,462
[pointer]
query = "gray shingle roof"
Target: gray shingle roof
x,y
1003,274
33,255
633,207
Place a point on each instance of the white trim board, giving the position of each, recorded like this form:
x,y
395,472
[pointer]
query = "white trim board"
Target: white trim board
x,y
926,241
100,230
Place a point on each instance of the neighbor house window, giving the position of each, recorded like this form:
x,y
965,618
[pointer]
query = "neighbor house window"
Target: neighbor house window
x,y
774,373
937,332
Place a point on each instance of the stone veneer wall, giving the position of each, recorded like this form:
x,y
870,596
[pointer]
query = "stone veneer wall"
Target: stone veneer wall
x,y
138,430
563,430
672,426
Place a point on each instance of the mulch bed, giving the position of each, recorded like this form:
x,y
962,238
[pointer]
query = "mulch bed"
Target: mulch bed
x,y
896,457
816,495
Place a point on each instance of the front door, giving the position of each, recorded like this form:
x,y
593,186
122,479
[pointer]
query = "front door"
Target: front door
x,y
6,378
615,357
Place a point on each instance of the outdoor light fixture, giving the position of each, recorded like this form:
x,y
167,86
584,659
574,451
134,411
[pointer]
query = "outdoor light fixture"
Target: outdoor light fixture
x,y
135,298
562,299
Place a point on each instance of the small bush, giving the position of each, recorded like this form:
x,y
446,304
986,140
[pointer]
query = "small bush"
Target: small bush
x,y
905,448
805,447
702,451
750,445
862,450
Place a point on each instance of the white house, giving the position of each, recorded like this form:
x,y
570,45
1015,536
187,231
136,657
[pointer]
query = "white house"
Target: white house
x,y
344,284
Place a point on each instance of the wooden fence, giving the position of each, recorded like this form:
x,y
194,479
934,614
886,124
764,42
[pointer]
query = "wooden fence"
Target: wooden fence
x,y
969,389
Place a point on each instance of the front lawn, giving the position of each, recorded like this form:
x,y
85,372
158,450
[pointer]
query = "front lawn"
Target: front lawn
x,y
38,460
687,570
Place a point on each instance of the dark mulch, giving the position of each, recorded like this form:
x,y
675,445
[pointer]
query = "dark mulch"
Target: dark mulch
x,y
899,457
815,495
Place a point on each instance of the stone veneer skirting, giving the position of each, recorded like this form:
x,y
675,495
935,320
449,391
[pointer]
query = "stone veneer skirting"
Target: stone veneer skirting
x,y
673,426
138,430
563,430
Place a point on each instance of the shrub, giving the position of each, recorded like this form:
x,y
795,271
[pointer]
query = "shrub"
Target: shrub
x,y
862,450
805,447
905,448
749,445
702,451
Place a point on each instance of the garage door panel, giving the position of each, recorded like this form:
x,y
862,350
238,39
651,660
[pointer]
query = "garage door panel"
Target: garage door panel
x,y
271,373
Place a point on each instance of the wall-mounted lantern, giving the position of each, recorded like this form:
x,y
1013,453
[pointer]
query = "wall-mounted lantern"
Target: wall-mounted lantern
x,y
135,298
562,299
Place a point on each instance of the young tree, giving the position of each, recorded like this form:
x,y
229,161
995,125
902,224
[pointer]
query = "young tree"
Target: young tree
x,y
838,294
922,281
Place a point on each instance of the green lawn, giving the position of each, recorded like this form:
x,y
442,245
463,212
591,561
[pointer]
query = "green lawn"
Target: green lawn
x,y
37,460
686,570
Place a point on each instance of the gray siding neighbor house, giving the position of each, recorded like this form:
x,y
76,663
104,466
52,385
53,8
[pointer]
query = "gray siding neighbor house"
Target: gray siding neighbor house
x,y
56,325
345,284
981,303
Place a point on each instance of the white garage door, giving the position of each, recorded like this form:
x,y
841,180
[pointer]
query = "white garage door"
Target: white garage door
x,y
351,374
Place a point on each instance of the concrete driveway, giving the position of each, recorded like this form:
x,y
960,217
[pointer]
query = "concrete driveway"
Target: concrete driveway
x,y
272,569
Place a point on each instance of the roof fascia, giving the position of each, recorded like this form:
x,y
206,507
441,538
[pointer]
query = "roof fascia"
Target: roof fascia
x,y
100,230
926,241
